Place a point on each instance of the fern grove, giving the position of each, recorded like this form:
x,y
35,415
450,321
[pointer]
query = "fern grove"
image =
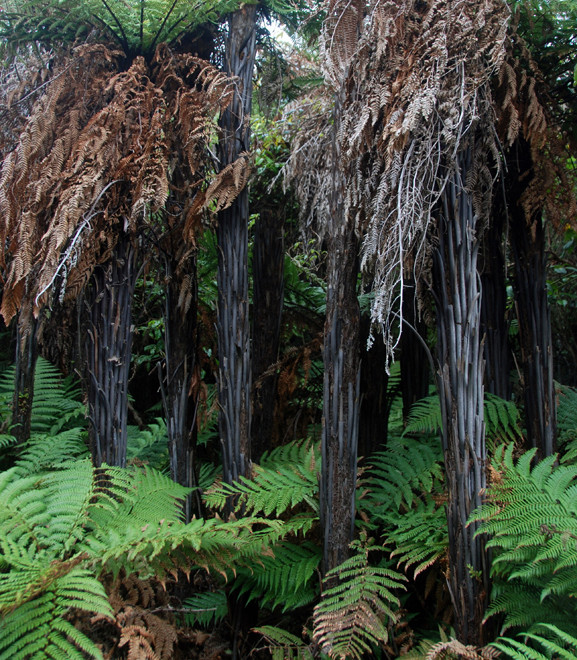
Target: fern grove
x,y
276,373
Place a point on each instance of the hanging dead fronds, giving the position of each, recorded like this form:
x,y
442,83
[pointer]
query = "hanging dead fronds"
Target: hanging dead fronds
x,y
416,83
100,154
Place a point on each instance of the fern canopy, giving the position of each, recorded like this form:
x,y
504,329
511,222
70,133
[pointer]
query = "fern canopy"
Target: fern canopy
x,y
138,26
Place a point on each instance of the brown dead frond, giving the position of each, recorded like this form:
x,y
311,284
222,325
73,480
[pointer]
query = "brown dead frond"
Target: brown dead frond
x,y
102,151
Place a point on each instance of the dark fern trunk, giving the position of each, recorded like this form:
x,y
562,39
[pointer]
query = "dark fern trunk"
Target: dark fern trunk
x,y
527,239
25,367
460,385
108,346
341,386
179,382
268,291
232,238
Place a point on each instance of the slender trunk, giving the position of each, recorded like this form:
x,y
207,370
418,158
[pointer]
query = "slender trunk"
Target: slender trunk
x,y
232,237
108,345
25,366
178,384
494,326
460,384
268,291
527,236
341,403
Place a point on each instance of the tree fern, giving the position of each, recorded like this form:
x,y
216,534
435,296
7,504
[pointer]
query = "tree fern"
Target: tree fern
x,y
284,577
531,517
502,420
138,27
545,641
567,421
61,527
283,645
356,606
206,608
277,486
55,406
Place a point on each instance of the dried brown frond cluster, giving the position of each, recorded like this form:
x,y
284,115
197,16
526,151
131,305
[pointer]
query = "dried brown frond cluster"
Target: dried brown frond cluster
x,y
102,150
414,79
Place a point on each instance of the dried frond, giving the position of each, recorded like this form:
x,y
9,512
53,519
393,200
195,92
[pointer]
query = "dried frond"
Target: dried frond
x,y
101,152
455,649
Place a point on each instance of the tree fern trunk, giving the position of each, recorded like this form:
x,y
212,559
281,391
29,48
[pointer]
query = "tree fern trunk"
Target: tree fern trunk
x,y
341,376
268,291
460,384
25,366
232,238
527,236
178,387
108,345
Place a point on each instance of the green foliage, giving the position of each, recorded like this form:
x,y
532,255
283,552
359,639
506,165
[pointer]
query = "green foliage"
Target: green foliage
x,y
206,608
356,605
531,517
56,402
137,26
287,478
405,499
502,420
546,641
284,577
149,445
283,645
63,522
567,422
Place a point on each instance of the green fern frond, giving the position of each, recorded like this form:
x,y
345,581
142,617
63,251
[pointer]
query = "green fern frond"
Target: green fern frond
x,y
531,517
502,420
56,402
276,487
419,536
283,645
353,614
567,421
206,608
286,577
548,641
149,445
403,472
44,452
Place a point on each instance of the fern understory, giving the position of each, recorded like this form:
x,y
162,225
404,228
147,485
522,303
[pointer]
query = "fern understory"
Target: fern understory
x,y
90,554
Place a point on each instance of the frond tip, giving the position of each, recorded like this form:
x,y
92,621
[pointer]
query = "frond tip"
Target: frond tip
x,y
353,615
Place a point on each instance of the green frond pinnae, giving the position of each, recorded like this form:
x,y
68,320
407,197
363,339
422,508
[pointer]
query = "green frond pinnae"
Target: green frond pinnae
x,y
283,645
138,27
286,479
542,642
357,605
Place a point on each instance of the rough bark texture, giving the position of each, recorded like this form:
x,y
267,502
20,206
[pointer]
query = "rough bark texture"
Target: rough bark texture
x,y
527,237
341,403
460,384
268,293
178,384
232,238
494,325
108,345
25,366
